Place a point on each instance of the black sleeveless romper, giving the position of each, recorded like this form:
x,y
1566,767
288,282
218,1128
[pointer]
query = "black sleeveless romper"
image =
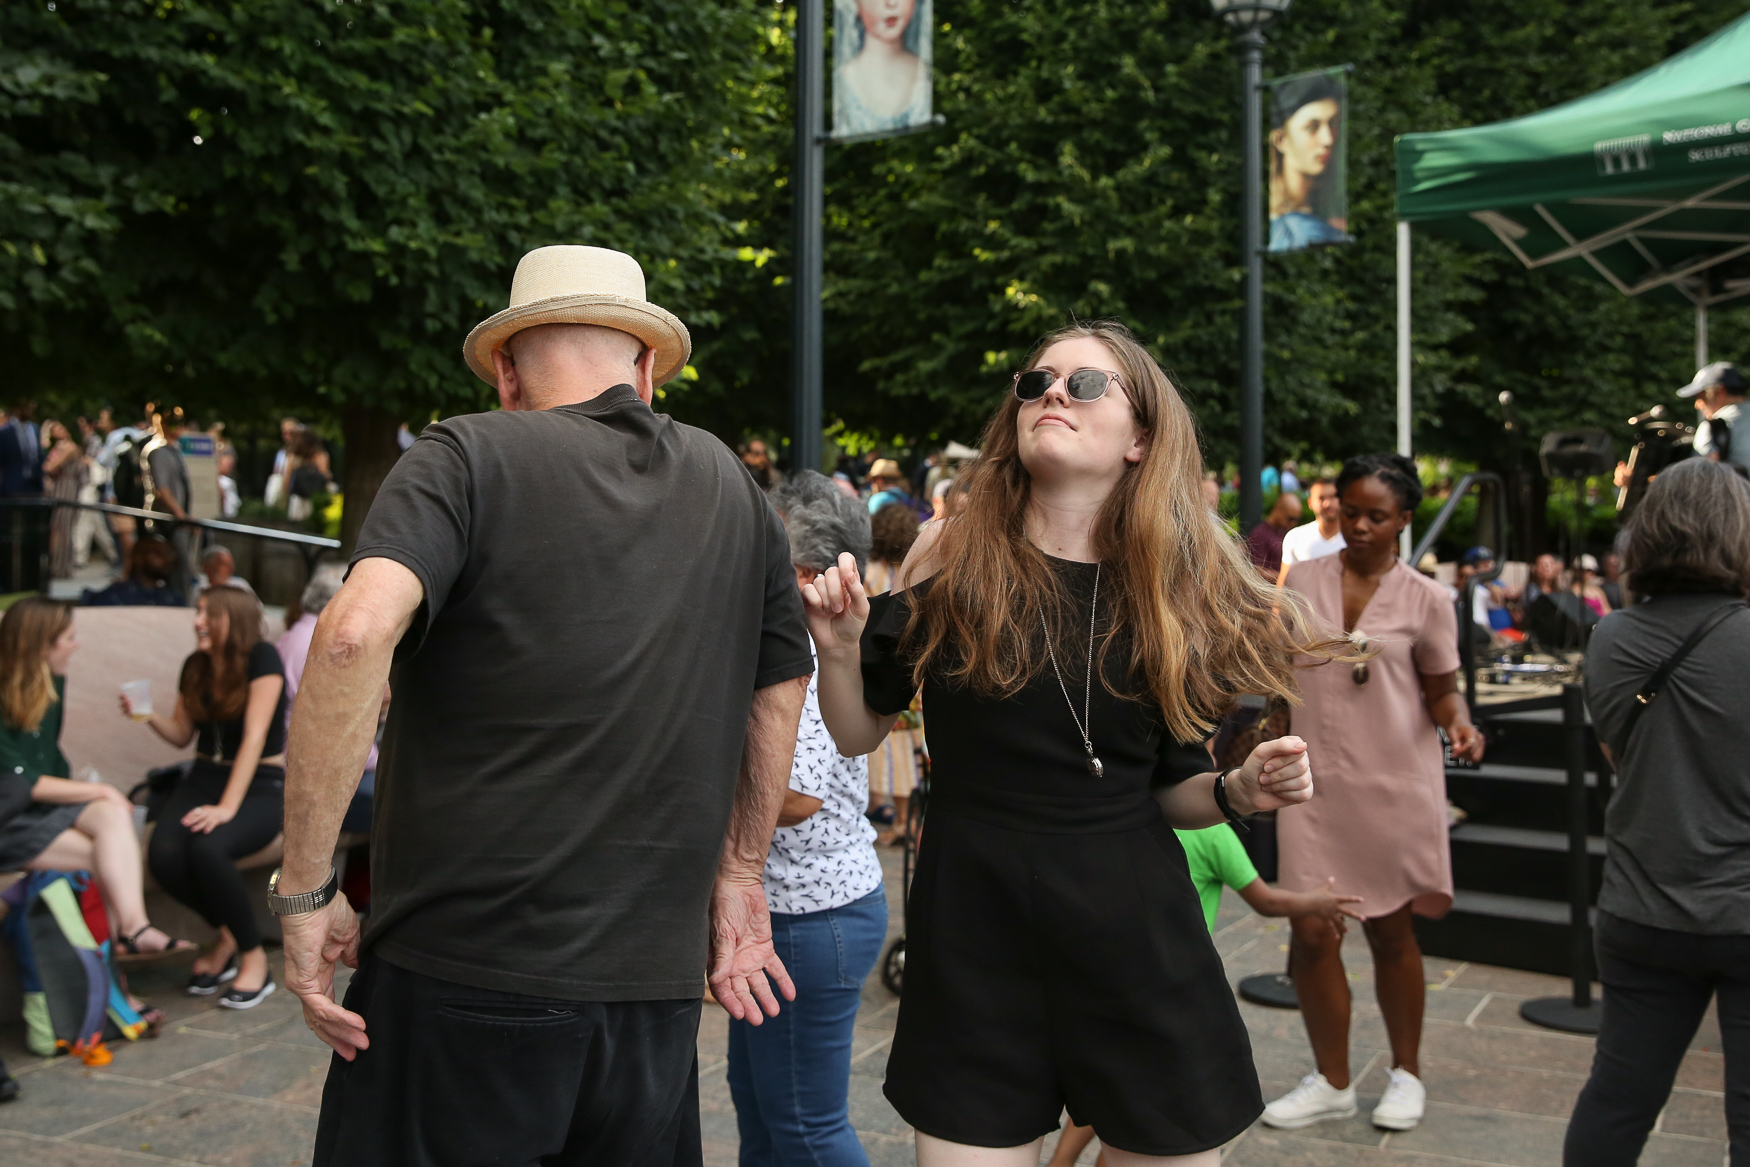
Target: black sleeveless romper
x,y
1056,952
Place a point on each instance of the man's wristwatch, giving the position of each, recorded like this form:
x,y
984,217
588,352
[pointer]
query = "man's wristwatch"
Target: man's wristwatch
x,y
304,901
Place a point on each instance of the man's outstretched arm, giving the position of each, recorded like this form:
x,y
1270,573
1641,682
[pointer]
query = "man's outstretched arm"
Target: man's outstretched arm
x,y
741,928
333,724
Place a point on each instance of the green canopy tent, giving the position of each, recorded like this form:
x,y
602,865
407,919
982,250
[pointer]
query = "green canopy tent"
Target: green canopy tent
x,y
1645,185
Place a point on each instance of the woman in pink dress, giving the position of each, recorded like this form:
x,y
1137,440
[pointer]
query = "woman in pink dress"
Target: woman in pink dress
x,y
1379,823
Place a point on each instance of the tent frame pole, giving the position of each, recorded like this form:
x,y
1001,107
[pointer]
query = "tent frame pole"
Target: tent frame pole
x,y
1404,358
1700,333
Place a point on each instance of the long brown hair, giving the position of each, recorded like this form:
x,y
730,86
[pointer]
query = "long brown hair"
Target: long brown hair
x,y
27,688
215,683
1200,622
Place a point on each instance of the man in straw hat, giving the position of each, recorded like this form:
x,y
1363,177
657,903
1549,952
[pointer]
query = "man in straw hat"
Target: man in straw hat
x,y
600,660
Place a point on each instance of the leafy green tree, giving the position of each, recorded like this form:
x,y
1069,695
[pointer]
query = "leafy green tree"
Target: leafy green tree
x,y
307,204
1090,166
366,175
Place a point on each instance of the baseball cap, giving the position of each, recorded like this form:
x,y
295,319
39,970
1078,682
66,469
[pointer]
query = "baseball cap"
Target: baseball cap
x,y
1722,373
1476,555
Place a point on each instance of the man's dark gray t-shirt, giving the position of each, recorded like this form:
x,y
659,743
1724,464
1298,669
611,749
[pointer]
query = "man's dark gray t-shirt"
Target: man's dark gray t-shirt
x,y
1678,828
604,590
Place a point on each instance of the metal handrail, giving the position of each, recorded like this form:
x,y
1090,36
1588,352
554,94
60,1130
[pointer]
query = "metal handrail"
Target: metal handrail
x,y
1467,653
309,546
110,508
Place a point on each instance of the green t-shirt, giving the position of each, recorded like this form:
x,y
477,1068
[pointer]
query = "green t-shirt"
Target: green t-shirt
x,y
1216,857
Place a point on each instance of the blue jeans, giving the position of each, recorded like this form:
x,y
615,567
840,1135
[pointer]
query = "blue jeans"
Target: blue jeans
x,y
791,1075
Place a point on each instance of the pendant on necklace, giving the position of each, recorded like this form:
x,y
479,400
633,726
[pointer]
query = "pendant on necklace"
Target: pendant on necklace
x,y
1094,766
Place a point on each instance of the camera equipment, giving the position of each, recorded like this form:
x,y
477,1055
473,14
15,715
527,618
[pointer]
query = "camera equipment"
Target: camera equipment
x,y
1658,443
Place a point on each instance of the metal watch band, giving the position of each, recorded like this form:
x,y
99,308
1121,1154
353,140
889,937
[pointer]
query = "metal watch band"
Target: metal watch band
x,y
306,901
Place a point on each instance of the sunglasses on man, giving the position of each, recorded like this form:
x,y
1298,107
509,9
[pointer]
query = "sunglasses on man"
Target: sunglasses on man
x,y
1082,385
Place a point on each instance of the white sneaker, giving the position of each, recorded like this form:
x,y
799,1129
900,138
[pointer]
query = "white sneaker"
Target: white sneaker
x,y
1401,1108
1314,1100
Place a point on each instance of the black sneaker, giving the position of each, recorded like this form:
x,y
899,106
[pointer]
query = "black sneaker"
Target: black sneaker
x,y
236,998
8,1085
206,984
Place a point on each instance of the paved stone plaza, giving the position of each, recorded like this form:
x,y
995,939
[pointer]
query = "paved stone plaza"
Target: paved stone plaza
x,y
241,1089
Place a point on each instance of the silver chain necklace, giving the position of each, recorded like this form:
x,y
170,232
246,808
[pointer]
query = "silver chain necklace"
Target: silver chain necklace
x,y
1086,719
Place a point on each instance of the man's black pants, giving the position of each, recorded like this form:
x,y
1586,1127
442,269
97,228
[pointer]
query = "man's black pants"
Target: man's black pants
x,y
459,1077
1657,984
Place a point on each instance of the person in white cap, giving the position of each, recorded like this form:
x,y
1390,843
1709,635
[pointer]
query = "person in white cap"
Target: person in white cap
x,y
599,665
1718,390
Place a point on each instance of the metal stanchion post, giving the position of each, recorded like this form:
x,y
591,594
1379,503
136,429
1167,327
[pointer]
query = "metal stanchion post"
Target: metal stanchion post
x,y
1577,1013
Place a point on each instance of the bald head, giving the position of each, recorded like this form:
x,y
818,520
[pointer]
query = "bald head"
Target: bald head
x,y
1286,512
561,364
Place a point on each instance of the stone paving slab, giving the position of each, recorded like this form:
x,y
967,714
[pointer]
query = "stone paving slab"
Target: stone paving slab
x,y
229,1089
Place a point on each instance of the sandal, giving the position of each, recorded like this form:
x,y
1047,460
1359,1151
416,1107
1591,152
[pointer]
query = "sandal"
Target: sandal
x,y
131,944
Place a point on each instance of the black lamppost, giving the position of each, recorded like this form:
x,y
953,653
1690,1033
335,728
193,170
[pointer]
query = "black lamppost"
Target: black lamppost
x,y
808,187
1249,18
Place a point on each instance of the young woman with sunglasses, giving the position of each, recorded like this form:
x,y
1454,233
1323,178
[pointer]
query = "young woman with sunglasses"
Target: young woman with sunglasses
x,y
1055,950
1379,825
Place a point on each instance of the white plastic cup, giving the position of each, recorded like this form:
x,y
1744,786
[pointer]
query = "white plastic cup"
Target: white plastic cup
x,y
138,695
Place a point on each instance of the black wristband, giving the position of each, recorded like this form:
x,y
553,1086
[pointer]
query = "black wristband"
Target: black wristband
x,y
1221,802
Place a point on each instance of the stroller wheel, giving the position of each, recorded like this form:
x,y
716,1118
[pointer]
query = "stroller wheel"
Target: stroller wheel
x,y
893,967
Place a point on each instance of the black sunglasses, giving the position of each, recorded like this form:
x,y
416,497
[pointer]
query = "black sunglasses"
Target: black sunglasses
x,y
1083,384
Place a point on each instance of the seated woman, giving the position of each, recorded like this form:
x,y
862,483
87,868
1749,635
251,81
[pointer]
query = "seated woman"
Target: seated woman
x,y
47,822
231,803
151,563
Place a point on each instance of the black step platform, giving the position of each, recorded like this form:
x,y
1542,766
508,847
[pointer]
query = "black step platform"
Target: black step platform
x,y
1510,863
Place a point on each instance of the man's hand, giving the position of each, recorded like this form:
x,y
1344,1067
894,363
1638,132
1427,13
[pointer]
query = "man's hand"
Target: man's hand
x,y
314,942
741,952
1276,774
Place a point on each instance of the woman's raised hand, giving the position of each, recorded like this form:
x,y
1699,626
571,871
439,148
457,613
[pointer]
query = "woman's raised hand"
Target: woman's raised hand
x,y
1276,774
837,607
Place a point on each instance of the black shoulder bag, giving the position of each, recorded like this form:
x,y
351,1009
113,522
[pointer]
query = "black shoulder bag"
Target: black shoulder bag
x,y
1649,690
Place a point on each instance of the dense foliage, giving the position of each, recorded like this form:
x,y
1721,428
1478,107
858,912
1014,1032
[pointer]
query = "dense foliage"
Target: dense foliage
x,y
1090,167
304,204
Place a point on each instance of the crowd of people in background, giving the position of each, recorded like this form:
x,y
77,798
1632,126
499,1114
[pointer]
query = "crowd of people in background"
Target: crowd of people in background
x,y
141,463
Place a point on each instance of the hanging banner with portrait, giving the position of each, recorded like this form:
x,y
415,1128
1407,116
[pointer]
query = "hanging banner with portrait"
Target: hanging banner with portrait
x,y
881,68
1308,160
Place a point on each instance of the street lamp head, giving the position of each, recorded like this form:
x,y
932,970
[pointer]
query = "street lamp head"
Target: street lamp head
x,y
1249,14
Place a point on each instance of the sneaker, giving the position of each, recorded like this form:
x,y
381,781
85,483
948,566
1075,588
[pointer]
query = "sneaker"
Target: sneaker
x,y
239,999
1401,1108
1314,1100
206,984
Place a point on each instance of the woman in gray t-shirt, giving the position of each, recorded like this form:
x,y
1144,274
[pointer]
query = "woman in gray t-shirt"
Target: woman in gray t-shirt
x,y
1674,909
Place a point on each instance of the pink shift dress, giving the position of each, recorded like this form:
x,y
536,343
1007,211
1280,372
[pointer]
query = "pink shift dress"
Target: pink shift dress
x,y
1377,819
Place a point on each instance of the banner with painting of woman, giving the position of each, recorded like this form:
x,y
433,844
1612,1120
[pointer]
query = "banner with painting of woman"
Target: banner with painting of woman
x,y
1309,200
881,67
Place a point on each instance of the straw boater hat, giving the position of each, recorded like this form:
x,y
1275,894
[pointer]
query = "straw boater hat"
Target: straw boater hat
x,y
580,285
